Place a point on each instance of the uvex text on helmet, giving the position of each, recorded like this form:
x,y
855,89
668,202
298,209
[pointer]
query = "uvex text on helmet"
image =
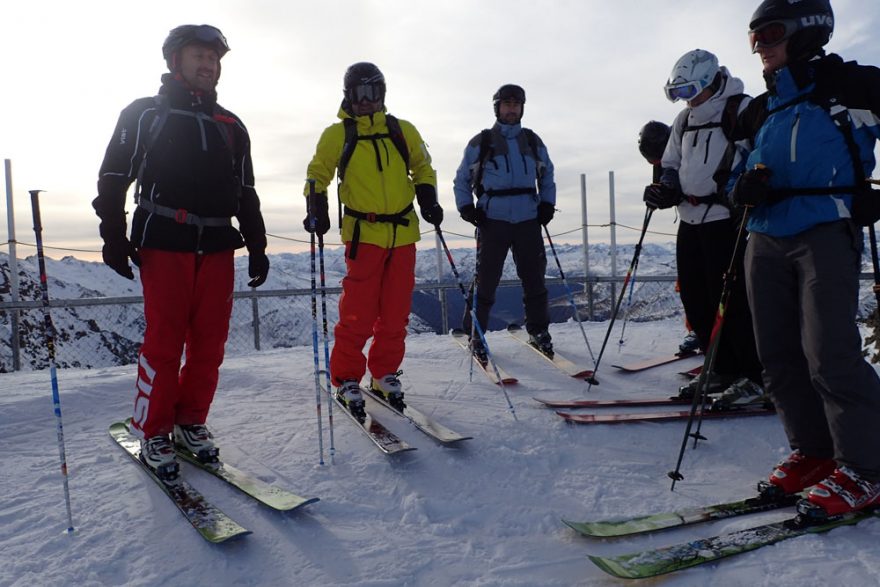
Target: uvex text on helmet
x,y
692,73
203,34
363,81
508,92
652,141
807,25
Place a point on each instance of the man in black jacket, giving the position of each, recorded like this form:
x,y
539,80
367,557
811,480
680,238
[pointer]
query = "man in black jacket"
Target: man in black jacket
x,y
191,162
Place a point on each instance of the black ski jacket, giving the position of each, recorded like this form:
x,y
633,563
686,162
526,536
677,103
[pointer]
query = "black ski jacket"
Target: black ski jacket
x,y
198,163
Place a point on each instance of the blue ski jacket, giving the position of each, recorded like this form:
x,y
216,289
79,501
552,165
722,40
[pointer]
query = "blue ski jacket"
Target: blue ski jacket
x,y
511,166
796,138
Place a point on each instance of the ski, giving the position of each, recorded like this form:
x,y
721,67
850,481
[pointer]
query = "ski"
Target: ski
x,y
432,428
692,373
461,337
378,434
563,364
660,416
269,495
651,363
630,525
208,520
651,563
612,403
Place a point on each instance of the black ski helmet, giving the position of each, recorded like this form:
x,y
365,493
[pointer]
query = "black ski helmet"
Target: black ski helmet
x,y
806,24
362,74
652,141
508,92
183,35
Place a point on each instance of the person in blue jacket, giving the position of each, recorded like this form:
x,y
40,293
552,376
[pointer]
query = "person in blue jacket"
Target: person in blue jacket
x,y
813,135
509,171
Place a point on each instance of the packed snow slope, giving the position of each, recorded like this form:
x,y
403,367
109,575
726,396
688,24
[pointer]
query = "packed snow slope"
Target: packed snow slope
x,y
484,513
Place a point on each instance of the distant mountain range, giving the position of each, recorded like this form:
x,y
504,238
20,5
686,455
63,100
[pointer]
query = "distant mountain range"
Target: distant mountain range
x,y
103,335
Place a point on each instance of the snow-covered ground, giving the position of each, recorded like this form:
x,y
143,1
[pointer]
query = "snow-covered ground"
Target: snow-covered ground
x,y
485,513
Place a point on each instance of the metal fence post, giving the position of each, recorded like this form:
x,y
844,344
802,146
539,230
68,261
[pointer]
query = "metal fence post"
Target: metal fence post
x,y
13,269
613,222
588,287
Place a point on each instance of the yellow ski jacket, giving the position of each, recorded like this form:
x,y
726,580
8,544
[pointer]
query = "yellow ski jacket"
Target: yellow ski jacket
x,y
376,179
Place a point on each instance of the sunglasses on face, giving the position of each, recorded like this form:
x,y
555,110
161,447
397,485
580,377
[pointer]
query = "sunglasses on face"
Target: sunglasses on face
x,y
771,34
368,92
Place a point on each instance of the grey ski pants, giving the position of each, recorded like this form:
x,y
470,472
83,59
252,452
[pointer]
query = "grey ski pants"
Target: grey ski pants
x,y
803,291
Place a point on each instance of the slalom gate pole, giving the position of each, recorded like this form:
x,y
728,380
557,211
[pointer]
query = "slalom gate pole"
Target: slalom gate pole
x,y
574,308
313,222
702,393
632,268
326,348
474,323
49,330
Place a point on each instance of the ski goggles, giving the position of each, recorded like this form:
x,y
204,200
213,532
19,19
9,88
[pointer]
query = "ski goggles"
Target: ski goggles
x,y
368,92
683,91
205,33
772,33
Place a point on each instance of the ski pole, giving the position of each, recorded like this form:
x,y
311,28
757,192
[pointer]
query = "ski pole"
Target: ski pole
x,y
312,223
701,395
474,323
574,307
632,268
49,329
326,343
629,301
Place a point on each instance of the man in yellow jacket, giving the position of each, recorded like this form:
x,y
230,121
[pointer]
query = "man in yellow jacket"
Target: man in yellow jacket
x,y
382,164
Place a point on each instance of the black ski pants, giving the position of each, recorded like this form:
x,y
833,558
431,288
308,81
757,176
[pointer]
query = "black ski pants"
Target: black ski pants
x,y
527,243
804,292
703,253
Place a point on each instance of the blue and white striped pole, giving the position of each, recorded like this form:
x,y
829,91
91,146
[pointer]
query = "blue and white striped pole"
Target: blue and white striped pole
x,y
49,329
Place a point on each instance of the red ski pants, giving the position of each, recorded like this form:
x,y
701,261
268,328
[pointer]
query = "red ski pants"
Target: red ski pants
x,y
376,298
187,305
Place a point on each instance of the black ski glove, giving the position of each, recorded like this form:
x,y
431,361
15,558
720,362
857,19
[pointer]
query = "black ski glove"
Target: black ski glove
x,y
258,267
319,208
431,211
546,210
476,216
661,196
116,254
752,187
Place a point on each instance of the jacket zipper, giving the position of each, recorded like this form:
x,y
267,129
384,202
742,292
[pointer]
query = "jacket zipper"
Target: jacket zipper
x,y
706,156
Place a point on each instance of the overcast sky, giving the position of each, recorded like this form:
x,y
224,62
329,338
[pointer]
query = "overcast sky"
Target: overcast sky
x,y
593,72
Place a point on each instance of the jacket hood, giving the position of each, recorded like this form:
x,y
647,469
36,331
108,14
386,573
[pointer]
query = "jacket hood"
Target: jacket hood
x,y
711,108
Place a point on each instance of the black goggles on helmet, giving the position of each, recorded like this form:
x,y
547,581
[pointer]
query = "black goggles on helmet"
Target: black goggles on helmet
x,y
205,33
772,33
368,92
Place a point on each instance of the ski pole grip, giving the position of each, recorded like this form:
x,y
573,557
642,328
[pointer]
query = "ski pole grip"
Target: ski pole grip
x,y
35,206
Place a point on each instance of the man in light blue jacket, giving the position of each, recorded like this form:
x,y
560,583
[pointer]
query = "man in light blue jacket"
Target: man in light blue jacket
x,y
509,170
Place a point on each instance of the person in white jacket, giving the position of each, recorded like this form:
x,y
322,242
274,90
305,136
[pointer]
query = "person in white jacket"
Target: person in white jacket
x,y
708,232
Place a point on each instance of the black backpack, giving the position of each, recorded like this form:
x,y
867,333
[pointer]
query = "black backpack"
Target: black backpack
x,y
352,137
487,151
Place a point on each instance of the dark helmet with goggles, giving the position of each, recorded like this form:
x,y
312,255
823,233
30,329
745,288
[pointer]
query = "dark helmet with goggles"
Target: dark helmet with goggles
x,y
363,81
807,25
187,34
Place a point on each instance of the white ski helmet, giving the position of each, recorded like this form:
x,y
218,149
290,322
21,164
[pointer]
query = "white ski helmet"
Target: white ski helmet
x,y
692,74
